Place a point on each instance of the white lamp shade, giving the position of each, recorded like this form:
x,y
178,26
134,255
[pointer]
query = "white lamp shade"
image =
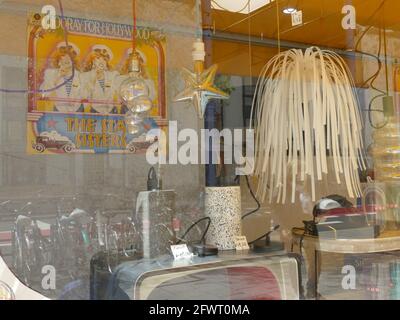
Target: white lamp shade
x,y
239,6
223,206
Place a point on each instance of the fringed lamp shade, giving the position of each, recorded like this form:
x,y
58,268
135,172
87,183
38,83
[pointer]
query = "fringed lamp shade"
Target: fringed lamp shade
x,y
306,111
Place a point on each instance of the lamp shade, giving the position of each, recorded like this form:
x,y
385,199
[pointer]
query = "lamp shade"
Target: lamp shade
x,y
223,206
239,6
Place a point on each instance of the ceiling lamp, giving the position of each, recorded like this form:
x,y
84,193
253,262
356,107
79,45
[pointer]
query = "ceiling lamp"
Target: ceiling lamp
x,y
134,92
289,10
239,6
292,142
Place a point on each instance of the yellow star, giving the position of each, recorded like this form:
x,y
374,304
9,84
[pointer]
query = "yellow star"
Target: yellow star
x,y
200,89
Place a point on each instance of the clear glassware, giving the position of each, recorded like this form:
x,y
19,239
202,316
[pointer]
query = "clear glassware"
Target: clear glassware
x,y
131,89
133,122
386,154
142,104
386,151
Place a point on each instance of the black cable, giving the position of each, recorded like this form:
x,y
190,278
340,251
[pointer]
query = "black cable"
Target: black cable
x,y
266,234
255,199
382,93
377,57
192,226
376,74
206,231
370,111
379,64
248,183
262,237
369,19
373,78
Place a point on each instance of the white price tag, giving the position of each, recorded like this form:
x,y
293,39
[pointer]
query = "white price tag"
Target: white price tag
x,y
241,243
297,18
181,251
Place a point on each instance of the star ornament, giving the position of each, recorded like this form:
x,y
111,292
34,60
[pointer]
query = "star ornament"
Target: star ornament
x,y
200,89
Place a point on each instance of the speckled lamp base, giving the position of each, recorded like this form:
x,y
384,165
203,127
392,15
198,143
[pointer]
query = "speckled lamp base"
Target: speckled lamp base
x,y
223,206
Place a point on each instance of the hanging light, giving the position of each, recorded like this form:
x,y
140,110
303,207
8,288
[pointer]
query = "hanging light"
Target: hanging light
x,y
289,10
305,109
134,92
239,6
133,122
142,104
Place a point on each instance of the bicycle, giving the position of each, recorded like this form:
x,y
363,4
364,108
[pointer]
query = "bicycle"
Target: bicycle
x,y
29,247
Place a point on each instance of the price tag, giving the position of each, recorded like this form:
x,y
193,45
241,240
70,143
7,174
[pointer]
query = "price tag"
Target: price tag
x,y
241,243
181,252
297,18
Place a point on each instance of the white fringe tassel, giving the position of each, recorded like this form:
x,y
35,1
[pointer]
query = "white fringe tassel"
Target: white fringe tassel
x,y
305,107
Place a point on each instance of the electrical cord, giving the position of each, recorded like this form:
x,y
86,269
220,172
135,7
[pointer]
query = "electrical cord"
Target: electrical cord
x,y
249,187
370,110
382,93
192,226
373,79
369,19
255,210
134,31
255,199
377,57
265,235
379,64
376,74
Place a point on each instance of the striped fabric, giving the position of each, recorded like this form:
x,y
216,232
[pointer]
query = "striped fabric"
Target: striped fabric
x,y
102,84
68,85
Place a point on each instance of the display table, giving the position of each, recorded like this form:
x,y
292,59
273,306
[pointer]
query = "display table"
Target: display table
x,y
386,242
228,276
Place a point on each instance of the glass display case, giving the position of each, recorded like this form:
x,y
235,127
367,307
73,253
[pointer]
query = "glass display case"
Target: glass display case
x,y
199,149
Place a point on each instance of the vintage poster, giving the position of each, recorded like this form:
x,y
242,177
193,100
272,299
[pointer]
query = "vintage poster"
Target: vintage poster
x,y
74,80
